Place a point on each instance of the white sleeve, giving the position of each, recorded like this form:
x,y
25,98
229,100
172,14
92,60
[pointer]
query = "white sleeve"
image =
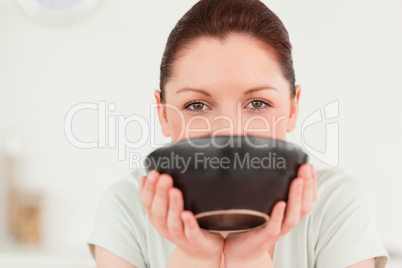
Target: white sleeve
x,y
346,229
118,222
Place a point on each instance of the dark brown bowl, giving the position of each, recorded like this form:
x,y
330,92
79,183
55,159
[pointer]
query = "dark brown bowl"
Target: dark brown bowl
x,y
230,183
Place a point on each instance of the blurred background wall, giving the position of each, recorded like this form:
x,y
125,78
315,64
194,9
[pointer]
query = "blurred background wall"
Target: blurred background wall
x,y
345,52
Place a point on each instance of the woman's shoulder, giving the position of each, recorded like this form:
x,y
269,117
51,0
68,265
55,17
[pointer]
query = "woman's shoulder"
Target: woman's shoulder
x,y
129,182
340,193
343,220
337,179
120,220
122,195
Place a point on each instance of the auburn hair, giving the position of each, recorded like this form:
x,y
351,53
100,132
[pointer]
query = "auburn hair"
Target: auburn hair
x,y
220,18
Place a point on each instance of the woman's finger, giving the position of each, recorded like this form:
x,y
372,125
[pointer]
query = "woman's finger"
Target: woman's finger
x,y
191,228
315,183
148,190
304,170
174,220
160,203
142,184
293,210
274,225
308,193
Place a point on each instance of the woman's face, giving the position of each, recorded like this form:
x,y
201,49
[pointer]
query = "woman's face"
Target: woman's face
x,y
230,88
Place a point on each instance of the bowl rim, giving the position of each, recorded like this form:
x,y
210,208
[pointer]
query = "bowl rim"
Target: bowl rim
x,y
282,144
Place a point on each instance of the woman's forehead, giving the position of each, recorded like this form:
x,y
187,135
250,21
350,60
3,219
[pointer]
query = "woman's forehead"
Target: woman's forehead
x,y
238,62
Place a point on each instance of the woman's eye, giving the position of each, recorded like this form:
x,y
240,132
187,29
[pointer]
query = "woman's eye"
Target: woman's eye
x,y
258,105
196,106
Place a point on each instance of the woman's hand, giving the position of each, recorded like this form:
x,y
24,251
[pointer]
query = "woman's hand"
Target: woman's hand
x,y
163,204
251,248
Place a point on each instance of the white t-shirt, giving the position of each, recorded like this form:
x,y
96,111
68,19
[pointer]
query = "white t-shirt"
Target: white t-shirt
x,y
340,229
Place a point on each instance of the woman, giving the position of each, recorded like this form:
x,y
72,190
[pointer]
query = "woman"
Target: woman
x,y
227,69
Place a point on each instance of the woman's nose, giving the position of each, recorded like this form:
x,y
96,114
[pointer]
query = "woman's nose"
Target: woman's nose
x,y
229,122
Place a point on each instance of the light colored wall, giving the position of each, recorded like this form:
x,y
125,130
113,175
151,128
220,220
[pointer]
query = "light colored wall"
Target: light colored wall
x,y
350,52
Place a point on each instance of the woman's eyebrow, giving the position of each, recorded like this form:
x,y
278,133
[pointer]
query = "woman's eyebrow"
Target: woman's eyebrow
x,y
194,89
252,90
262,87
